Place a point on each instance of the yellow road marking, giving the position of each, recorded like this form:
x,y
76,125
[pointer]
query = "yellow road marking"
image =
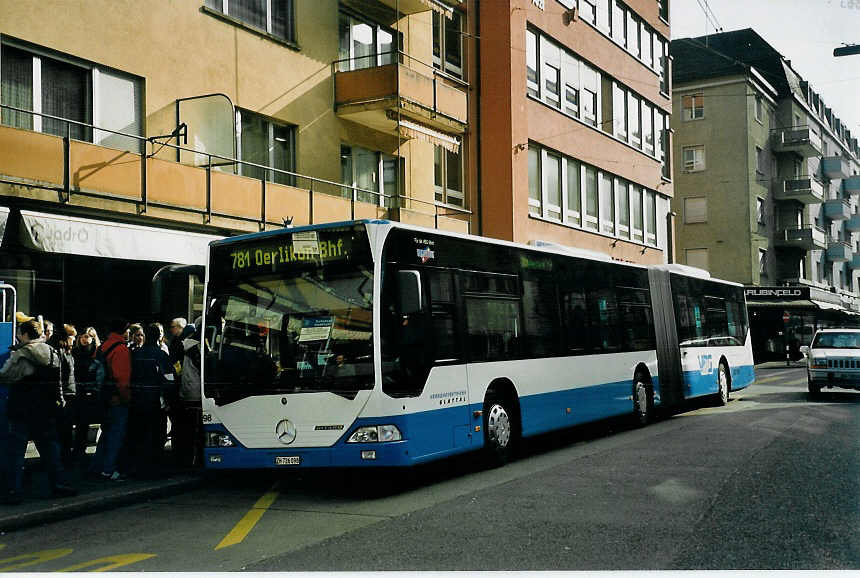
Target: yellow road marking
x,y
249,520
25,560
108,563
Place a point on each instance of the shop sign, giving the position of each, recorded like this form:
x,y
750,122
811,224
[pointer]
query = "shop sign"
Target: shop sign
x,y
776,293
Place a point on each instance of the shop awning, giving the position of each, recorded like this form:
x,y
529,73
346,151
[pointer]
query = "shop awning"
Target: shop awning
x,y
825,305
4,216
95,238
784,304
423,133
794,304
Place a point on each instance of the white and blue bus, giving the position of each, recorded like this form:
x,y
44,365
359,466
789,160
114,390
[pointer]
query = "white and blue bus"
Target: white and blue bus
x,y
374,343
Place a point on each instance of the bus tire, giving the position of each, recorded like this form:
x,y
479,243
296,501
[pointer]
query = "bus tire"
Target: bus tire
x,y
643,401
722,397
500,430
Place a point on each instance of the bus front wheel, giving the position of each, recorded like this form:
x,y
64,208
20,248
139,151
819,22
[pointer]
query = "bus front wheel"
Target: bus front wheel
x,y
499,430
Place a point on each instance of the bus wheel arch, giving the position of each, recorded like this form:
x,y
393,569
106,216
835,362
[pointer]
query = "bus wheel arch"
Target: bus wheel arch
x,y
724,381
643,395
502,421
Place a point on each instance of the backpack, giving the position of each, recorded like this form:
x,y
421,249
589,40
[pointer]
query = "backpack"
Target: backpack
x,y
101,375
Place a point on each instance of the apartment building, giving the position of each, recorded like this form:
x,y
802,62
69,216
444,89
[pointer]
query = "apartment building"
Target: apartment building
x,y
574,124
766,187
131,134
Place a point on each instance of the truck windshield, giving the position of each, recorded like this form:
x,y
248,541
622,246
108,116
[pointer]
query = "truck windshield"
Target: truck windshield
x,y
288,327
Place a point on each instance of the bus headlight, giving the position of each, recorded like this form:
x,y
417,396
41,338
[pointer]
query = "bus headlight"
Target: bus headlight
x,y
375,433
216,439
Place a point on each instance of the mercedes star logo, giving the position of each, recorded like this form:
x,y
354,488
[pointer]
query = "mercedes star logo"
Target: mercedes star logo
x,y
285,431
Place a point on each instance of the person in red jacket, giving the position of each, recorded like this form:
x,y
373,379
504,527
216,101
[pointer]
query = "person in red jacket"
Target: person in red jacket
x,y
118,359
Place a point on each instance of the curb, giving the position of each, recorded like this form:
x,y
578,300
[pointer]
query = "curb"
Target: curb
x,y
91,503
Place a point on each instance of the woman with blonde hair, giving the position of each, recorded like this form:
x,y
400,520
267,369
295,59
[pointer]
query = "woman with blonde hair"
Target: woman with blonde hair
x,y
89,407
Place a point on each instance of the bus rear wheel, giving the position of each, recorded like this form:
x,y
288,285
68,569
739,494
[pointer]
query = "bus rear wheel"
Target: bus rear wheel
x,y
500,431
643,401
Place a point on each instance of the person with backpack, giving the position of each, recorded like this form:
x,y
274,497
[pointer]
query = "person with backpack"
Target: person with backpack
x,y
34,406
152,380
186,421
113,363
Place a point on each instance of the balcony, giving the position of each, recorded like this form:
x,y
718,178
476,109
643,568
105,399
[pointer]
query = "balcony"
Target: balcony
x,y
806,190
837,209
851,185
835,167
852,225
407,7
807,237
377,97
839,251
855,262
800,140
63,172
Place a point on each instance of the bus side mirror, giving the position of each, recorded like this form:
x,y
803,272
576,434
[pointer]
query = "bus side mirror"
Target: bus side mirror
x,y
409,283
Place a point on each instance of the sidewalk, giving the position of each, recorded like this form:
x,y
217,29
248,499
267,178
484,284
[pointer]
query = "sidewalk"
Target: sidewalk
x,y
39,507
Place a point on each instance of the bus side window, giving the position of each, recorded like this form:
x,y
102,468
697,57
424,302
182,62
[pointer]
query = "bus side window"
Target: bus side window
x,y
443,306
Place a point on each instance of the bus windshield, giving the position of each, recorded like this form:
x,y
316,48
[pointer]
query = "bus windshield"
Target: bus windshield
x,y
294,327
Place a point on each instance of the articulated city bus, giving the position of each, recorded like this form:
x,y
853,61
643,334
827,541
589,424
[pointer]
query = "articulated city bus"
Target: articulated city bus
x,y
374,343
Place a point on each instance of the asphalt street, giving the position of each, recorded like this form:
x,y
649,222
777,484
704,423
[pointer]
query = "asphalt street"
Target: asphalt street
x,y
767,482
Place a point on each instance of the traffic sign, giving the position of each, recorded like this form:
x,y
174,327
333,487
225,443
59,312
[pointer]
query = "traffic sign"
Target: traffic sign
x,y
786,317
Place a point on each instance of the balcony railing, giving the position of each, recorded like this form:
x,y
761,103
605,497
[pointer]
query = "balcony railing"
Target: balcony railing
x,y
808,237
210,189
801,140
839,251
806,190
837,209
851,185
835,167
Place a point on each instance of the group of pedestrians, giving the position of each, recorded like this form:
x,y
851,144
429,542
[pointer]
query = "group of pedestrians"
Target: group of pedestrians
x,y
60,381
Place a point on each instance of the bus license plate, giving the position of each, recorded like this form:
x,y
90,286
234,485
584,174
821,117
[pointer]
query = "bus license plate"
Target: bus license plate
x,y
288,460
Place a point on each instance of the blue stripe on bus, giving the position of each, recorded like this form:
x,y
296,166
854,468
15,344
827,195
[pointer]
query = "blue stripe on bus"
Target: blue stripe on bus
x,y
697,384
435,434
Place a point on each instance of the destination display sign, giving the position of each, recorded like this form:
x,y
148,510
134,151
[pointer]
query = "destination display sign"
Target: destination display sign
x,y
301,250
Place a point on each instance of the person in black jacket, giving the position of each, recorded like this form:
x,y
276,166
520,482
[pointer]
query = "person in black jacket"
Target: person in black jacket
x,y
35,402
152,380
70,429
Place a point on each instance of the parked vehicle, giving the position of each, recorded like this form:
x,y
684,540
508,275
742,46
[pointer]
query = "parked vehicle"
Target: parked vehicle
x,y
833,360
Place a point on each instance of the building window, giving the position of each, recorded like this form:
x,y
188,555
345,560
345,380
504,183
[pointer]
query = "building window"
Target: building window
x,y
661,57
661,133
607,204
532,64
622,194
694,158
650,217
588,11
448,176
619,20
636,210
693,106
275,17
696,210
369,176
759,108
590,95
73,91
551,186
762,262
619,111
448,41
697,258
648,127
551,66
634,107
591,198
759,211
573,207
363,44
534,181
570,69
632,34
265,144
760,162
663,9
